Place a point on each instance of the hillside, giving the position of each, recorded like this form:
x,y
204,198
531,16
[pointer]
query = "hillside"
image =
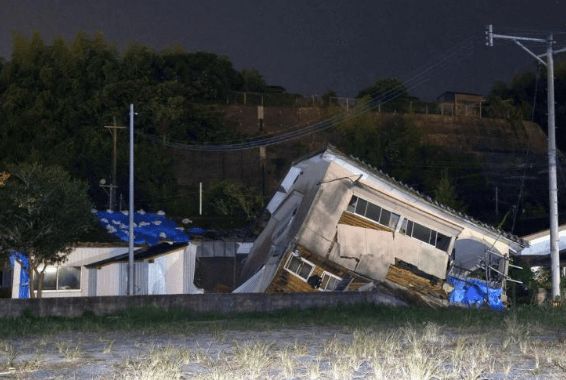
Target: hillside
x,y
509,156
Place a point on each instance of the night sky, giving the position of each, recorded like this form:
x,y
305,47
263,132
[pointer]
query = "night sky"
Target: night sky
x,y
311,46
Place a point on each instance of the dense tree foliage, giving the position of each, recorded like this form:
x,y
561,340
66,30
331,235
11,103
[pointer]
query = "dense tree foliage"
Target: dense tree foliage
x,y
55,99
524,98
44,211
395,145
226,198
252,81
445,193
391,92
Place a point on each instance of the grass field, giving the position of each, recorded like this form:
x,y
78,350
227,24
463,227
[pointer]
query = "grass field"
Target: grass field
x,y
339,343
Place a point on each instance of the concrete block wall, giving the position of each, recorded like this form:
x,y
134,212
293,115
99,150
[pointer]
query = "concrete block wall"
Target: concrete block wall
x,y
217,303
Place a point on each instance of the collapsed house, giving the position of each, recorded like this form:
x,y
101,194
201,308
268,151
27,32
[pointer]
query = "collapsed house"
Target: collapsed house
x,y
337,224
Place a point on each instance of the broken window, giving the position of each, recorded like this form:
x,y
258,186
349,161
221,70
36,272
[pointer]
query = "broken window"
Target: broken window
x,y
299,266
372,211
425,234
329,281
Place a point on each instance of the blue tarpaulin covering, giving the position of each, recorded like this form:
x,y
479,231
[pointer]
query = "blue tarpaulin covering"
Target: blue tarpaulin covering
x,y
24,277
149,228
474,292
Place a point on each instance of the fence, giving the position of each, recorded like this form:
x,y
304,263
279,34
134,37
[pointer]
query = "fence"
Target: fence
x,y
346,103
287,100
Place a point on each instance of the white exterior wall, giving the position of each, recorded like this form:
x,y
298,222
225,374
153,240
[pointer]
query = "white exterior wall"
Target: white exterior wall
x,y
174,271
165,273
108,280
280,230
79,257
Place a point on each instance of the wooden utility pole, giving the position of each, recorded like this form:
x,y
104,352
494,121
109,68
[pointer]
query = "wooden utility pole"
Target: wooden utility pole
x,y
113,129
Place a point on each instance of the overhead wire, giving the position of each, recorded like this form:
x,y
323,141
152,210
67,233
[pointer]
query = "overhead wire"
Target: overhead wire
x,y
526,164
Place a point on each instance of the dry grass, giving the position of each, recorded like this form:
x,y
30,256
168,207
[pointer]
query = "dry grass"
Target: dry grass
x,y
69,350
12,366
410,352
416,349
10,353
159,363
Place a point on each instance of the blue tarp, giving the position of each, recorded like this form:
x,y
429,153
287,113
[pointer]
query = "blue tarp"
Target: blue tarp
x,y
474,292
24,277
149,228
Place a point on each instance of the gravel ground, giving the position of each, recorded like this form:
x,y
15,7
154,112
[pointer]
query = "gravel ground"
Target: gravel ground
x,y
427,351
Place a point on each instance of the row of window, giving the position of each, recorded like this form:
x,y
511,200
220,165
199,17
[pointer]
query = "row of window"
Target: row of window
x,y
304,269
389,219
60,278
374,212
428,235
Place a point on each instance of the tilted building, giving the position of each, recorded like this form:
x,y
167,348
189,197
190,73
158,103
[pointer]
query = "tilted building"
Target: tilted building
x,y
337,224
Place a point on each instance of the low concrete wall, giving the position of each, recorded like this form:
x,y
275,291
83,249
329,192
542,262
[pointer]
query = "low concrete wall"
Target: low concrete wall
x,y
199,303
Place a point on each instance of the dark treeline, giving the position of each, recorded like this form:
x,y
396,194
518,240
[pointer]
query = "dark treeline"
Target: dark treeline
x,y
55,99
525,98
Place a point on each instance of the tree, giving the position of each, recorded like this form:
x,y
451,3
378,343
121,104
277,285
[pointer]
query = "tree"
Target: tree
x,y
445,193
252,81
235,200
329,98
44,212
391,91
391,143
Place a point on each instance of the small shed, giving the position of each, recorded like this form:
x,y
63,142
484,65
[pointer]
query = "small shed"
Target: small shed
x,y
166,268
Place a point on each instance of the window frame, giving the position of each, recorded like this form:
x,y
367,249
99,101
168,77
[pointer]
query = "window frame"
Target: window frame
x,y
353,206
408,225
57,267
328,274
303,261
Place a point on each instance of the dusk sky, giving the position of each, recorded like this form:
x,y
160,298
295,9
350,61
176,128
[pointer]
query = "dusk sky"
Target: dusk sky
x,y
312,46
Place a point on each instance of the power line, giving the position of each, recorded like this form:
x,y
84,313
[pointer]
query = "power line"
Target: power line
x,y
271,139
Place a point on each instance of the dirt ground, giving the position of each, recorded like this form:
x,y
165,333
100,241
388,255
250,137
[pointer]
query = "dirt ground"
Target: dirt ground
x,y
424,351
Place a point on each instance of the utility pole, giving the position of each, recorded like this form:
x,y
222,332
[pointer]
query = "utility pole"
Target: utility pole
x,y
113,129
497,202
553,188
262,149
131,209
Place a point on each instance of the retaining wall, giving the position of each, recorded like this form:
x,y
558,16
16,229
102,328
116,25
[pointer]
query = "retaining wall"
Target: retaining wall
x,y
200,303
